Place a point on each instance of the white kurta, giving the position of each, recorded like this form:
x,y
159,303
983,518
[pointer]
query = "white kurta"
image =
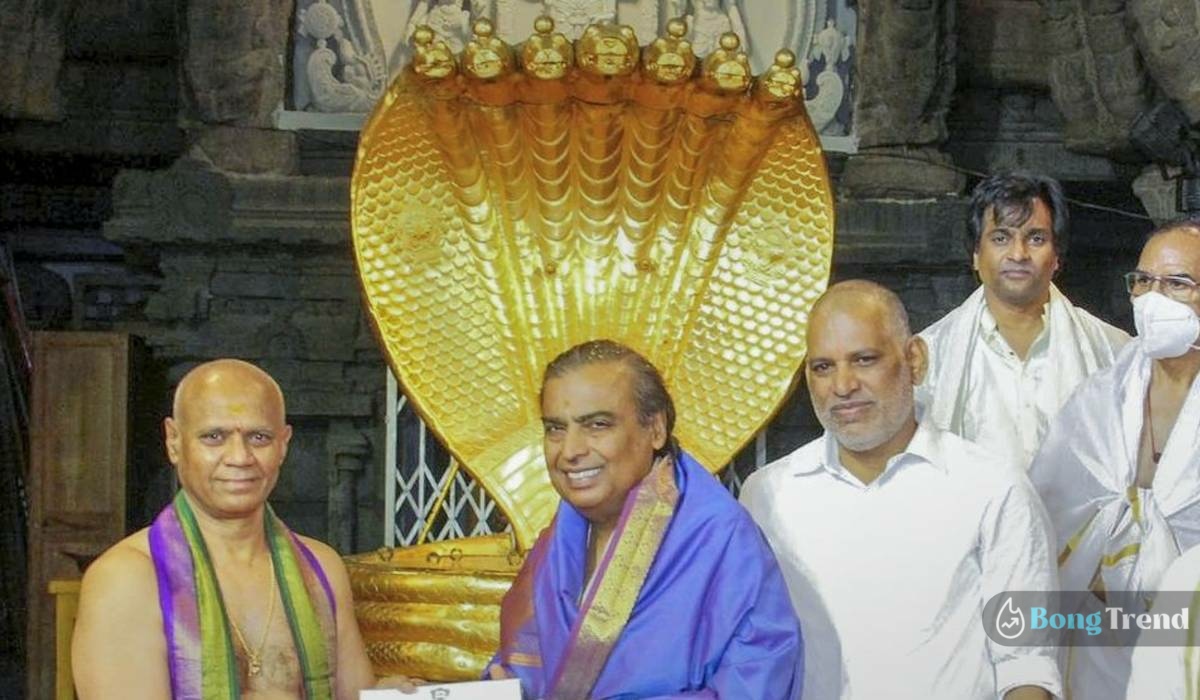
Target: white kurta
x,y
890,579
1105,525
978,388
1167,672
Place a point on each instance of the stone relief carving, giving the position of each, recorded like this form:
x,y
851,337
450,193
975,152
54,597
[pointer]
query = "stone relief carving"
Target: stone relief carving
x,y
1109,61
230,70
831,47
708,20
514,18
901,99
447,18
362,79
1113,63
1097,78
1167,32
645,16
346,70
336,72
573,16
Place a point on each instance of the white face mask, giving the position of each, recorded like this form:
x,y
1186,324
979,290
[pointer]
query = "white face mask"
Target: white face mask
x,y
1165,327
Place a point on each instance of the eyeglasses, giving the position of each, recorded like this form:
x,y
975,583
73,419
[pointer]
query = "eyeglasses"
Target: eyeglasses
x,y
1178,287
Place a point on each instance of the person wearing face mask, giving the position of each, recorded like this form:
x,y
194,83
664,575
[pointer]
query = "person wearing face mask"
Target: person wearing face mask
x,y
1119,470
1003,363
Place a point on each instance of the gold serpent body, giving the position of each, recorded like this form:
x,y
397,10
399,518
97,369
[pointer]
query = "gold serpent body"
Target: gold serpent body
x,y
511,204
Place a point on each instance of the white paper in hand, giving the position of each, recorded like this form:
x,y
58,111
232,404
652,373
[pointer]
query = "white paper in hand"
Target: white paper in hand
x,y
508,689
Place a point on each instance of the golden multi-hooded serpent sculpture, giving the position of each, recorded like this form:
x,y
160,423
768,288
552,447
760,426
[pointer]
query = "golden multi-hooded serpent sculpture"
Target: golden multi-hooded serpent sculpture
x,y
509,203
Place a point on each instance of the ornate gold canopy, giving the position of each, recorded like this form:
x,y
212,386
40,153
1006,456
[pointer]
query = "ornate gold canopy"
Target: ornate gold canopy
x,y
509,204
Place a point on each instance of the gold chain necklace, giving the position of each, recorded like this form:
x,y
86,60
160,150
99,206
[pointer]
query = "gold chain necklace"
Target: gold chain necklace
x,y
254,657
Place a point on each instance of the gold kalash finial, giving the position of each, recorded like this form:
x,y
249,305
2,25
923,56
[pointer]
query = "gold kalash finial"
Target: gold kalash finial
x,y
782,82
547,55
487,57
508,204
432,58
669,59
608,50
727,69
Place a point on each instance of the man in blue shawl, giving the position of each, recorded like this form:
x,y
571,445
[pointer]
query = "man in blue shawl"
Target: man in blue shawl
x,y
651,581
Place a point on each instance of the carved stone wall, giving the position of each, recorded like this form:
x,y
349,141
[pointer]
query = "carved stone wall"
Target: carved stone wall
x,y
233,74
233,250
1167,32
259,267
905,76
1096,74
222,241
32,34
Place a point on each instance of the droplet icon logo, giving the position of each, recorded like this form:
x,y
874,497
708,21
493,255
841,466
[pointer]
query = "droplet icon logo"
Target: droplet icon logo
x,y
1010,620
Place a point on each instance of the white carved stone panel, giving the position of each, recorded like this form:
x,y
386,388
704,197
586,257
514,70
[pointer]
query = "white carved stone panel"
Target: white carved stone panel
x,y
347,50
339,64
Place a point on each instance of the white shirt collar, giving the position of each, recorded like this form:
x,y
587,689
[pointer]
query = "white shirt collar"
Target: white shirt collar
x,y
925,446
990,330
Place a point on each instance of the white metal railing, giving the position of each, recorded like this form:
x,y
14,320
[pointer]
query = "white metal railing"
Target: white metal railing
x,y
424,481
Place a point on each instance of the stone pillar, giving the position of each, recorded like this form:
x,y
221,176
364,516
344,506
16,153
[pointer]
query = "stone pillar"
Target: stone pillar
x,y
905,78
349,451
1157,194
233,74
31,32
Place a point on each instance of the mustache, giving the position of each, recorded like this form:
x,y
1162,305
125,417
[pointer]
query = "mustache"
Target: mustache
x,y
856,403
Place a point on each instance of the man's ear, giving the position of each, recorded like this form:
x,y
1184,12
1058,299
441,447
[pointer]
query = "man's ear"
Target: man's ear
x,y
285,439
172,439
916,353
975,260
658,428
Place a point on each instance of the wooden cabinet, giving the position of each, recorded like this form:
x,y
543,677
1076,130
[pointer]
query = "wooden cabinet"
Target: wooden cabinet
x,y
79,459
66,605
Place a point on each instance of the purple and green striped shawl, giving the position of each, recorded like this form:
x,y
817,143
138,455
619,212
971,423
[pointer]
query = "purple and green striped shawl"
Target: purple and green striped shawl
x,y
200,652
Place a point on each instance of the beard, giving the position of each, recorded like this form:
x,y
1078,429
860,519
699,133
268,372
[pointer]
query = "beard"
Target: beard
x,y
889,415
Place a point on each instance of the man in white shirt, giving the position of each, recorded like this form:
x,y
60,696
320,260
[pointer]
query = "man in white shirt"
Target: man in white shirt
x,y
1120,468
892,535
1004,361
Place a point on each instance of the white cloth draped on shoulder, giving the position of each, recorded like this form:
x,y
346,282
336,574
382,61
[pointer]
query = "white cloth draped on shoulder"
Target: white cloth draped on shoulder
x,y
1076,345
1110,532
1086,474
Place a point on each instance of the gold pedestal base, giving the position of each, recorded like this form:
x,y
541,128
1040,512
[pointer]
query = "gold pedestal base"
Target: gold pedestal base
x,y
433,611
